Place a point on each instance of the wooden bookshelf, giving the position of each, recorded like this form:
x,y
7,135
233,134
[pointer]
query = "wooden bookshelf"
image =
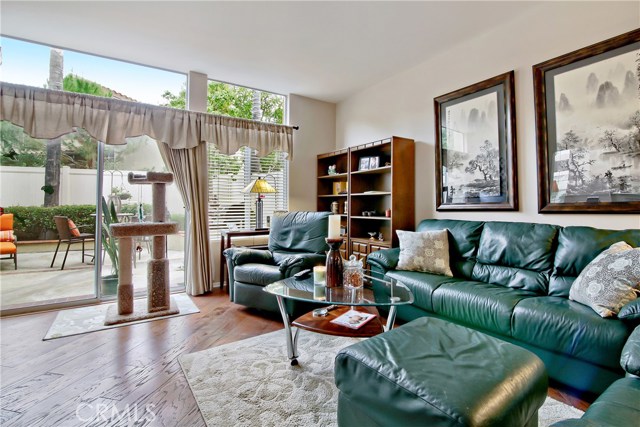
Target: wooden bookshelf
x,y
371,190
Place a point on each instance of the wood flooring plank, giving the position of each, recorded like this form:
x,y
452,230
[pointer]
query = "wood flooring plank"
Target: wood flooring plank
x,y
43,383
21,396
6,416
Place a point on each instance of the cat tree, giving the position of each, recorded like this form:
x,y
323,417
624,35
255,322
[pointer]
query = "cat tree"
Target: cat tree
x,y
159,302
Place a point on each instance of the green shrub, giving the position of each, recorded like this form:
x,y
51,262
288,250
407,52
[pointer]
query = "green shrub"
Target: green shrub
x,y
29,222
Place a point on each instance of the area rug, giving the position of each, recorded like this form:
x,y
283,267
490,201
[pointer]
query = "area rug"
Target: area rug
x,y
250,383
91,319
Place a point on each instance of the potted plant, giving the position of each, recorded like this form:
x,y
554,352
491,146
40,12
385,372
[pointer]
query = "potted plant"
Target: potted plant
x,y
110,246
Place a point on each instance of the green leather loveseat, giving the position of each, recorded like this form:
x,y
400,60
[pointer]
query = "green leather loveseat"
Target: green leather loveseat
x,y
512,281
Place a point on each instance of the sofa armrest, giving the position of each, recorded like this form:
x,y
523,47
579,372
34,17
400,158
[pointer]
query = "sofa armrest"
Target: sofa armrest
x,y
630,358
240,255
296,263
384,260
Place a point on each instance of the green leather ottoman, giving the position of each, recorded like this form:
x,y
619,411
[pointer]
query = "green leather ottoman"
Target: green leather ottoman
x,y
434,373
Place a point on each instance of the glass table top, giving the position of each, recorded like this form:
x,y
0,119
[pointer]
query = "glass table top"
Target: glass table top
x,y
388,293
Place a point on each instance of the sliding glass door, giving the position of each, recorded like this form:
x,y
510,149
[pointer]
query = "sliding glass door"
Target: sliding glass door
x,y
48,190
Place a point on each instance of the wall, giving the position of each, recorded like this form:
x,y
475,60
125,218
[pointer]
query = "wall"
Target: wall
x,y
403,104
317,122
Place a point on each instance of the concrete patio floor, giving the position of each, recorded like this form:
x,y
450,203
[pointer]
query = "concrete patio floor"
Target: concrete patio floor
x,y
34,282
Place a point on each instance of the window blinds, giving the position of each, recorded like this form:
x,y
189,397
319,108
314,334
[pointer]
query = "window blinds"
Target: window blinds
x,y
229,207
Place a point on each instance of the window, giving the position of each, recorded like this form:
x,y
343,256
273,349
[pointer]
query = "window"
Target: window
x,y
33,64
229,207
63,174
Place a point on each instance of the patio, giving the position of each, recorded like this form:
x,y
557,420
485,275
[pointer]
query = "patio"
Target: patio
x,y
34,282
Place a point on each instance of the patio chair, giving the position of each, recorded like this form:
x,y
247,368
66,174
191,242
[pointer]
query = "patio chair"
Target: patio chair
x,y
69,233
8,241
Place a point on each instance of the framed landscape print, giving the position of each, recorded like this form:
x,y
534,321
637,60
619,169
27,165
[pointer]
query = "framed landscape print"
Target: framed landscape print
x,y
476,147
588,128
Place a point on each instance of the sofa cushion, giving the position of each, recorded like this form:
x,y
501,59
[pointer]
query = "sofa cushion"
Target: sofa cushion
x,y
630,311
426,251
512,277
610,281
7,236
577,246
506,246
479,305
463,242
299,232
7,248
257,274
421,285
570,328
630,357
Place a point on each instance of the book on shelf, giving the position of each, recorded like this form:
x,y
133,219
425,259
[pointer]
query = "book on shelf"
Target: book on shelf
x,y
353,319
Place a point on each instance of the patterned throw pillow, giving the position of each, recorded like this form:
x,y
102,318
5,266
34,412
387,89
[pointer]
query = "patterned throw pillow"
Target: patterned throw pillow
x,y
426,251
72,227
610,281
6,236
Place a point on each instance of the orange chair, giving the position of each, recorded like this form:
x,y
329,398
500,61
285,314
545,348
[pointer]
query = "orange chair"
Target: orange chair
x,y
7,239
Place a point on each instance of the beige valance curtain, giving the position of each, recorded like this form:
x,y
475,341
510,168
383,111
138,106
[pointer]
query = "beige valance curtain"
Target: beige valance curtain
x,y
47,114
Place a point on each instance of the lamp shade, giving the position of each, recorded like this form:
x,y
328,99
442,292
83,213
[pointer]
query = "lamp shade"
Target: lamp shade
x,y
259,185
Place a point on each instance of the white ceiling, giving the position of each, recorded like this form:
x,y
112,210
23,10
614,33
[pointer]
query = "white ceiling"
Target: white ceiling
x,y
323,50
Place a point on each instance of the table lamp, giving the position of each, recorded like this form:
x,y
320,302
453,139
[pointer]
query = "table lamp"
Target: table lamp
x,y
259,186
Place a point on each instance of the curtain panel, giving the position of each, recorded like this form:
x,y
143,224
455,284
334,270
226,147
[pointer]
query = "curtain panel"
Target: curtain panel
x,y
48,114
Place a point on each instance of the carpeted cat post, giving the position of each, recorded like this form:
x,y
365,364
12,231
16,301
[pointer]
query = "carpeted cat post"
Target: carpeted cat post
x,y
159,302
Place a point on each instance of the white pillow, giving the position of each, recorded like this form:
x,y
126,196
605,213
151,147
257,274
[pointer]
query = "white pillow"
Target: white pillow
x,y
426,251
609,281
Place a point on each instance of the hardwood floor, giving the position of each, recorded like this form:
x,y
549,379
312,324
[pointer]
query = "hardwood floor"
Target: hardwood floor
x,y
102,378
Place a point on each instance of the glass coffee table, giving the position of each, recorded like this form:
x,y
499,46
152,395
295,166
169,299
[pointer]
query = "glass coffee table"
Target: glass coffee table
x,y
332,303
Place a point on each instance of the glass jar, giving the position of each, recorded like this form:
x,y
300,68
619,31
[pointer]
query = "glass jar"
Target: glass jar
x,y
353,273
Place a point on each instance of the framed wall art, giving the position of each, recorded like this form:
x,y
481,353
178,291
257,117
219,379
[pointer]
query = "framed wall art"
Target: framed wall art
x,y
476,147
588,128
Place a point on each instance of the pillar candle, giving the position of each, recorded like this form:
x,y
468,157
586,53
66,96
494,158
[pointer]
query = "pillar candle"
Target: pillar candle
x,y
334,226
319,274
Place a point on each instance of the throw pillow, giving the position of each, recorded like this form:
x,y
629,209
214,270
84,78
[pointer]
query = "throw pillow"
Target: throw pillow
x,y
6,236
72,227
609,281
426,251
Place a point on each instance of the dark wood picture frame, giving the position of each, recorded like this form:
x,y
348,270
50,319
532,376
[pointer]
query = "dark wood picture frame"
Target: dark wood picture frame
x,y
586,199
503,187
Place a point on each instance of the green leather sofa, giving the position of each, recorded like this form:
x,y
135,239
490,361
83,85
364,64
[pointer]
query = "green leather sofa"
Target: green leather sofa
x,y
296,242
619,405
512,280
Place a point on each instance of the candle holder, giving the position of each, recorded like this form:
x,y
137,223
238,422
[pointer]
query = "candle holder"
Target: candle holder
x,y
334,263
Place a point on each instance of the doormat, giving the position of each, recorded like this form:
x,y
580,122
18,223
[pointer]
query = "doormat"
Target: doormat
x,y
91,319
